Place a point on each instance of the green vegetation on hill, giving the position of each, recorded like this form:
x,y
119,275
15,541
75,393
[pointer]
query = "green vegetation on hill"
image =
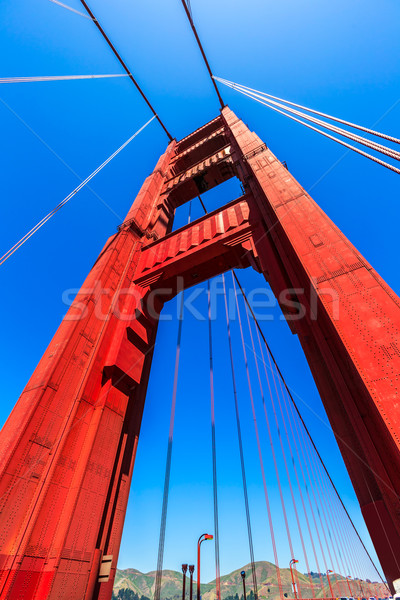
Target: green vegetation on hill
x,y
127,594
131,584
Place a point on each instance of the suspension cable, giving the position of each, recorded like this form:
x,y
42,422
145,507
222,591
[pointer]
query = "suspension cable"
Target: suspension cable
x,y
189,8
299,433
189,16
271,525
51,214
281,380
292,400
57,78
160,558
321,114
214,451
331,137
161,542
321,461
116,53
240,442
70,8
343,132
294,436
254,414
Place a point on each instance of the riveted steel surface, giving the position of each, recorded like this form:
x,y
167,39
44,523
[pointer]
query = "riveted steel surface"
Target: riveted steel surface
x,y
68,448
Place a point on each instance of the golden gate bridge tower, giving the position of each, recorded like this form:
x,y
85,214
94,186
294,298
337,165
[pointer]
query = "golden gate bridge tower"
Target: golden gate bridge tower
x,y
68,448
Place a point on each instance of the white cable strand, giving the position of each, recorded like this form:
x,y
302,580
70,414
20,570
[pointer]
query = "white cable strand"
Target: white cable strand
x,y
40,224
58,78
331,137
321,114
71,9
343,132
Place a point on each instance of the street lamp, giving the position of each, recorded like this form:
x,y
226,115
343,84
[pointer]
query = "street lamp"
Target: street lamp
x,y
243,574
202,538
329,581
191,571
292,562
184,570
348,583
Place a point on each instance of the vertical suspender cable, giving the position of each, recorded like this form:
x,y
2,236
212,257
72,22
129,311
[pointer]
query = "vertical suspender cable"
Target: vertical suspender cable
x,y
335,518
299,434
214,452
333,542
161,542
299,450
246,499
160,558
256,362
281,404
320,461
271,525
287,467
213,440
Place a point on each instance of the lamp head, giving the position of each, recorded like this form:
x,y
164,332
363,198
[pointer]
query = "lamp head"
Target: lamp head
x,y
243,574
184,568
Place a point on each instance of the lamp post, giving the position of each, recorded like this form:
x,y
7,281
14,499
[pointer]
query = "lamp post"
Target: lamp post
x,y
348,583
184,570
202,538
329,581
191,571
243,574
292,562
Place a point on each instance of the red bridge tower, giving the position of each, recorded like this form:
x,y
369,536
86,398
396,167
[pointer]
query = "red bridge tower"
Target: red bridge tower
x,y
68,448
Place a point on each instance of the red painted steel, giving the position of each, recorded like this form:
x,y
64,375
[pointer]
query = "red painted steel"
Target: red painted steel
x,y
67,450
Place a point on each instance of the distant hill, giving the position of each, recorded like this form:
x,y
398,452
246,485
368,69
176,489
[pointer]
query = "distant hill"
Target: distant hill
x,y
171,587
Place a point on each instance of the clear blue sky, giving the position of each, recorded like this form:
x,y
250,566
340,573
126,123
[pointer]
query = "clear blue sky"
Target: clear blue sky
x,y
338,57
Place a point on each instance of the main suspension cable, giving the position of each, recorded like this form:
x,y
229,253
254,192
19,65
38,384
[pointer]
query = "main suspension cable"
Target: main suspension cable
x,y
128,72
51,214
189,16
